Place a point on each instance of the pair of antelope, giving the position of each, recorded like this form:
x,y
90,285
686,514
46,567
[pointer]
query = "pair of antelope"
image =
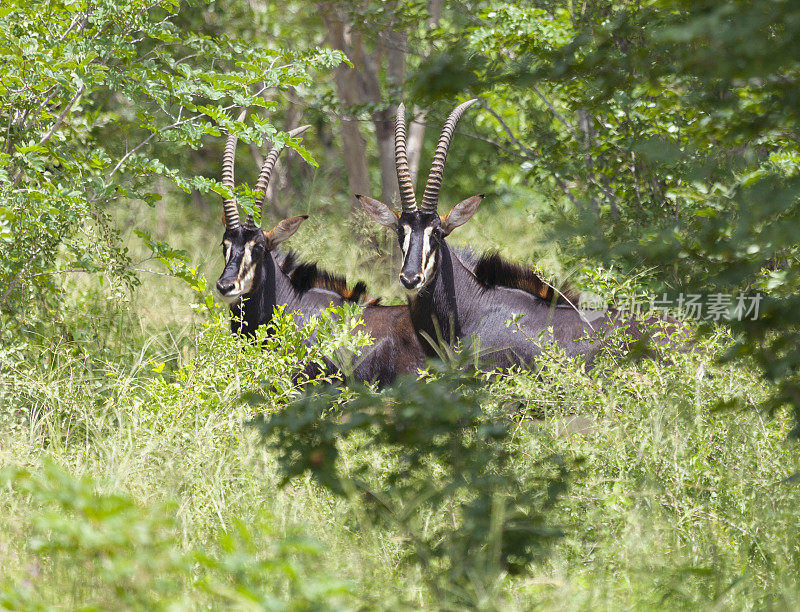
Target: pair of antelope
x,y
451,296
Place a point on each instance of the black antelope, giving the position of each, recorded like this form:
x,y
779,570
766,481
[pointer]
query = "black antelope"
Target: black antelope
x,y
501,309
257,277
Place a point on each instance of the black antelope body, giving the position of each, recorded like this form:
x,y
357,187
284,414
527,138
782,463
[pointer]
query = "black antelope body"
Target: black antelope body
x,y
257,278
451,299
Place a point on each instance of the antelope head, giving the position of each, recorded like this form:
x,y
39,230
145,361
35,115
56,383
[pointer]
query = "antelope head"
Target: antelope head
x,y
421,230
245,247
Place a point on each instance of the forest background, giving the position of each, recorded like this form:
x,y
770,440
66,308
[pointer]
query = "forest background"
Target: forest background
x,y
628,148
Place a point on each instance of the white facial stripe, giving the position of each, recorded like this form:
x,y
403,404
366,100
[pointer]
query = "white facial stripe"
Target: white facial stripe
x,y
406,240
426,244
244,279
428,260
246,267
227,244
246,283
427,271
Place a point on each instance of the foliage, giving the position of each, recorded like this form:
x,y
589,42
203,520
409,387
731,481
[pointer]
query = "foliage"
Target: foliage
x,y
284,356
104,550
676,502
667,485
443,453
659,138
135,553
97,101
667,132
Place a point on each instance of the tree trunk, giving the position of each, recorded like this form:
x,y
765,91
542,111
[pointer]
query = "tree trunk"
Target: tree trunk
x,y
435,13
394,49
350,91
354,148
585,124
416,138
384,133
416,128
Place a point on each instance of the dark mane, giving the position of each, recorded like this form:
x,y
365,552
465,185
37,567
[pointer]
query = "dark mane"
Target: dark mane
x,y
287,261
492,270
305,275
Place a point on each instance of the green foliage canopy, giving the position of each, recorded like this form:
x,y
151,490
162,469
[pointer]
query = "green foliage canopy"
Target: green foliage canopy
x,y
96,101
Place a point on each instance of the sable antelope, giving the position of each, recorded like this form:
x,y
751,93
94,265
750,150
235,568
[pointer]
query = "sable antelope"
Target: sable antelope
x,y
451,298
257,277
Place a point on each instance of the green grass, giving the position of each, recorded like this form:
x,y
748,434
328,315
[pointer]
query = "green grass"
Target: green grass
x,y
146,487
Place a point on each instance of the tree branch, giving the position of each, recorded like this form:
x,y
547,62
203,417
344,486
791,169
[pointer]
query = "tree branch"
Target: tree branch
x,y
54,127
18,275
507,129
530,154
556,114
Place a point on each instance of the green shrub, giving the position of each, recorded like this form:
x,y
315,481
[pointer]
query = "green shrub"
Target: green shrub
x,y
92,550
427,449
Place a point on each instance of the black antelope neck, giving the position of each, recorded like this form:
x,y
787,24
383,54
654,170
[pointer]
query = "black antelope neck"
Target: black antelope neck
x,y
272,287
446,308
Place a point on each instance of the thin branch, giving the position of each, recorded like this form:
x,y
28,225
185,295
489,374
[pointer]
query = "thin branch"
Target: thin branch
x,y
171,126
507,129
7,142
494,143
63,114
44,103
510,151
557,115
532,155
56,124
18,276
152,272
567,191
85,16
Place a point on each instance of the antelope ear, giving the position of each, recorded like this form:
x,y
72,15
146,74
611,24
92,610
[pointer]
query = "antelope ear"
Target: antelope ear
x,y
379,211
461,213
283,230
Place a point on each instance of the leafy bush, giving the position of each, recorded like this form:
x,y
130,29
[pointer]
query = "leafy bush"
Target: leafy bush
x,y
684,497
441,453
103,550
98,100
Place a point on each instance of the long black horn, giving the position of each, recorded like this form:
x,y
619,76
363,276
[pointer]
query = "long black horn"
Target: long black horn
x,y
229,206
266,171
407,199
430,198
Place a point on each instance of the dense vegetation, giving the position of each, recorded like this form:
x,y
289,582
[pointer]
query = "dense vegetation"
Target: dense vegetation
x,y
150,458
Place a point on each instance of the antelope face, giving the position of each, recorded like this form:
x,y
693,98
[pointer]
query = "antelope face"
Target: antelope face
x,y
421,234
420,230
244,249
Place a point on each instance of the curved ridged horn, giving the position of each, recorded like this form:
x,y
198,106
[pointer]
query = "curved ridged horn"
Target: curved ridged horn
x,y
266,171
407,199
430,198
229,206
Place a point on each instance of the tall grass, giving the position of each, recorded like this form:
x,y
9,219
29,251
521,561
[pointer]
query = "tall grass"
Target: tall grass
x,y
132,480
